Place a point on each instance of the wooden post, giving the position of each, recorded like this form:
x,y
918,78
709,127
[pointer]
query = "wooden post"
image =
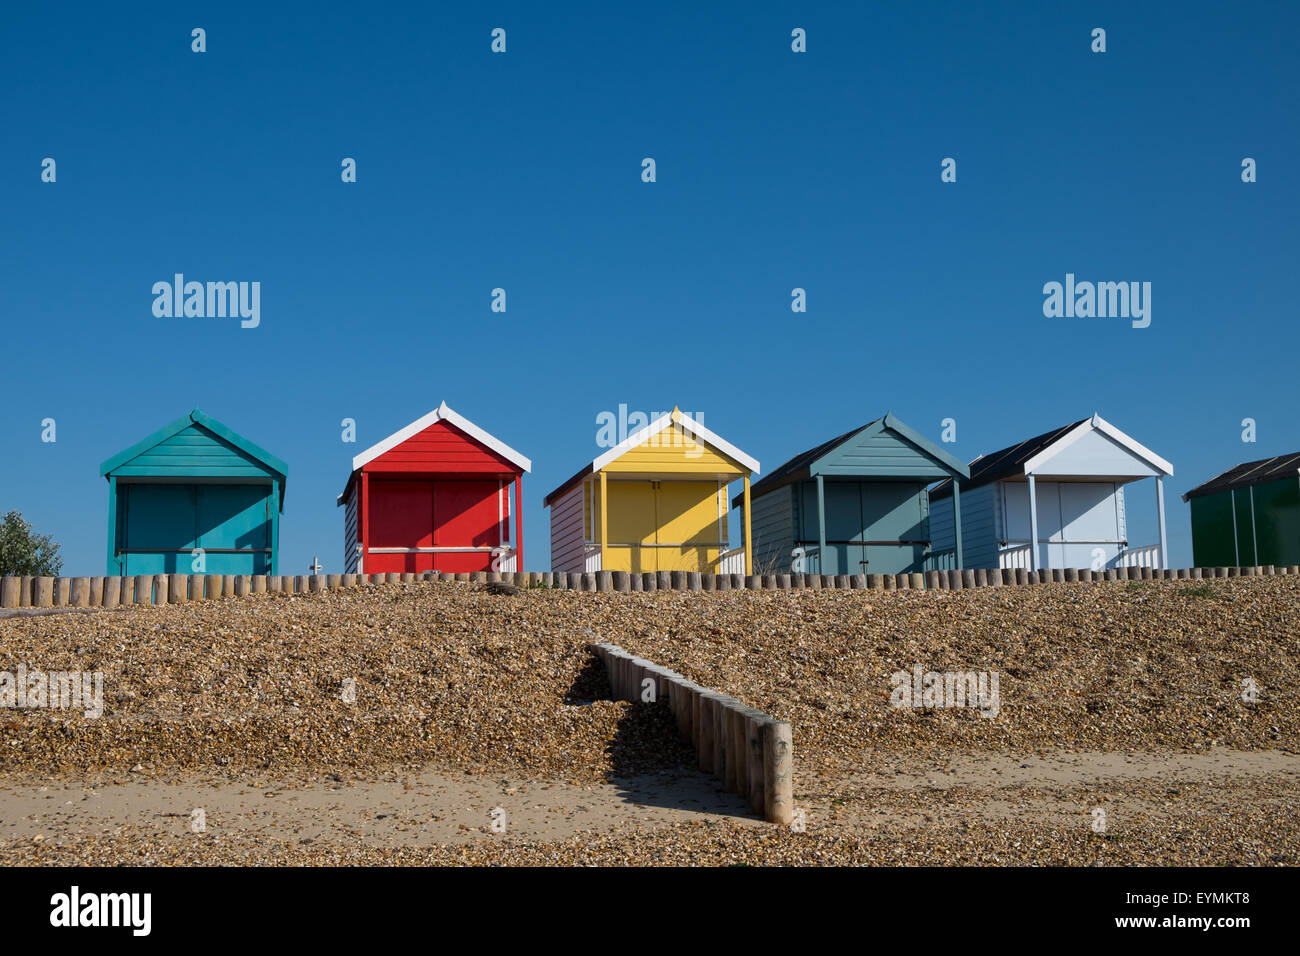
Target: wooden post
x,y
821,525
112,593
754,757
604,520
43,592
707,734
363,518
739,751
1033,526
749,533
678,695
719,737
160,589
178,589
275,525
729,751
9,586
111,566
519,523
956,520
778,773
1160,506
79,592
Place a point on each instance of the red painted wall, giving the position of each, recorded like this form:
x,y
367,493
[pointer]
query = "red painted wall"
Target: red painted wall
x,y
447,505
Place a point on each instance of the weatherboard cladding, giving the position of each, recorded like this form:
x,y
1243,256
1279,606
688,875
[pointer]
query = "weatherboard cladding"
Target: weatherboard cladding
x,y
980,524
194,452
1249,473
350,556
568,551
772,523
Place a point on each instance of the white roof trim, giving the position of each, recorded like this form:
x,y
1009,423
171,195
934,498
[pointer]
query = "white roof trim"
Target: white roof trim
x,y
442,413
644,434
1097,423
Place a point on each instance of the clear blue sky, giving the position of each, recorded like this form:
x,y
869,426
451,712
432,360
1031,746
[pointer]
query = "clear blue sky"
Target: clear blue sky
x,y
522,171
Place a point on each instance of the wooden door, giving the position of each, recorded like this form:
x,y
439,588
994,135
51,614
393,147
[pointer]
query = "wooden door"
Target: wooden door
x,y
401,516
466,514
687,525
233,528
631,535
158,528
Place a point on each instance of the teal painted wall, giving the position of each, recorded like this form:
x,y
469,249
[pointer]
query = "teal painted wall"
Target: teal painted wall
x,y
884,454
194,452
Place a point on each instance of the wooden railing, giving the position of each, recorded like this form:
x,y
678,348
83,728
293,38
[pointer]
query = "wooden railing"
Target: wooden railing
x,y
1143,557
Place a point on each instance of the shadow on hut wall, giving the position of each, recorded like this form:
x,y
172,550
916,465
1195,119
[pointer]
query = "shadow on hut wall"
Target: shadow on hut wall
x,y
650,764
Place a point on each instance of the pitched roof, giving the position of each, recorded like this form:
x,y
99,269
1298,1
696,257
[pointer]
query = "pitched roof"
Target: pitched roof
x,y
1249,473
197,417
644,434
800,466
1022,458
442,413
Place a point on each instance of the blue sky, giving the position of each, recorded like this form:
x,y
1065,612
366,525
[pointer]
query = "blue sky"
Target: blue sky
x,y
775,170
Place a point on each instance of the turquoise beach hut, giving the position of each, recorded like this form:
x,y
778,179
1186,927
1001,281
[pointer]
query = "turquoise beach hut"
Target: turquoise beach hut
x,y
194,497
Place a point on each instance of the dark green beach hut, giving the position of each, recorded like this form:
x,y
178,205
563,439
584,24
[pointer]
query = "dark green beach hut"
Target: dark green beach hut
x,y
194,497
1249,515
857,504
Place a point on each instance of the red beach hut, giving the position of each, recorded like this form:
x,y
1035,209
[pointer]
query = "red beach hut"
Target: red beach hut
x,y
439,495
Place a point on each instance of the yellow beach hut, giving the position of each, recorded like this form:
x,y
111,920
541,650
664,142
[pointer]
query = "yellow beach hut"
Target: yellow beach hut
x,y
657,501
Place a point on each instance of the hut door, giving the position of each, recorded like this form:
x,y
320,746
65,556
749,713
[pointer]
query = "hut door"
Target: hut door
x,y
234,528
845,551
466,514
687,520
631,537
896,530
401,516
159,528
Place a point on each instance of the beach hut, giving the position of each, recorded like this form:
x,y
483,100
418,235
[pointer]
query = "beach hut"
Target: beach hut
x,y
857,504
1249,515
194,497
657,501
1064,490
435,496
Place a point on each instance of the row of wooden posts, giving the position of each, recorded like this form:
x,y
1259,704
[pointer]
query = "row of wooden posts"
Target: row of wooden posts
x,y
749,751
44,592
